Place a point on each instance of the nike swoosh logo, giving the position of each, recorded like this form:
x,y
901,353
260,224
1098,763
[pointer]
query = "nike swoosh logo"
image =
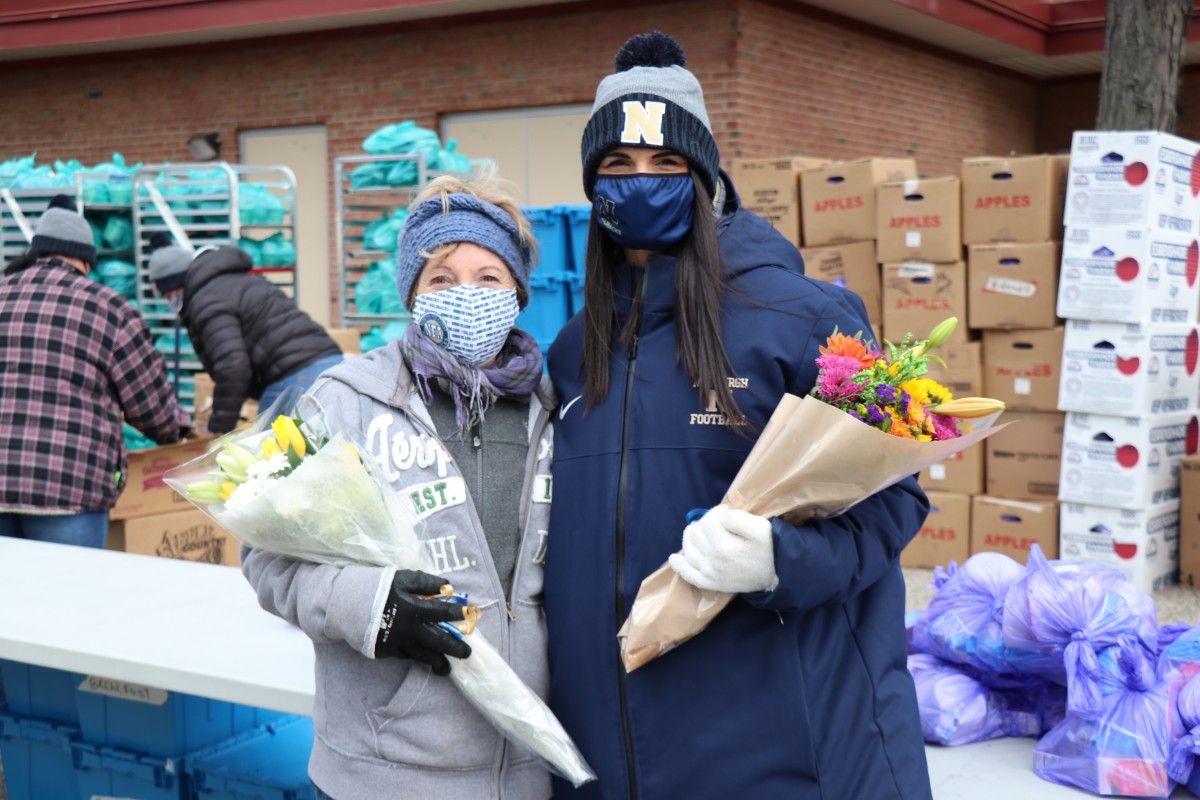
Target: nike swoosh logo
x,y
562,412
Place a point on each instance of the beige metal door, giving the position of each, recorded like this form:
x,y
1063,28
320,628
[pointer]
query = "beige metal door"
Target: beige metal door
x,y
305,151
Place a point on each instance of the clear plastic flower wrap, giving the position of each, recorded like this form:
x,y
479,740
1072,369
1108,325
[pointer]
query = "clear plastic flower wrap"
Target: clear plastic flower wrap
x,y
964,621
1123,748
290,488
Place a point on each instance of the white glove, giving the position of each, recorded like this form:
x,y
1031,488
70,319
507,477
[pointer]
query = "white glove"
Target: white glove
x,y
728,550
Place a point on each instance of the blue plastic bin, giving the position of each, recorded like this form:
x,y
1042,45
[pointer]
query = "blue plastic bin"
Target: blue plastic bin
x,y
180,725
37,759
268,764
112,772
550,229
40,692
577,218
548,306
574,283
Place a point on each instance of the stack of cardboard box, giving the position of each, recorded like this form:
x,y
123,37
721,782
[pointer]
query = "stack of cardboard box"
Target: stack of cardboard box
x,y
1012,227
151,519
1129,380
770,188
840,221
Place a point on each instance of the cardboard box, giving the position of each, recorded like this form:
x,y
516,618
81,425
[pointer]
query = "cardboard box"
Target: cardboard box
x,y
1140,179
1142,544
1125,462
770,188
918,295
1189,521
1012,526
1024,460
945,536
1012,285
1013,199
963,371
853,266
962,473
348,339
1129,275
185,535
919,220
838,199
1129,370
145,493
1022,368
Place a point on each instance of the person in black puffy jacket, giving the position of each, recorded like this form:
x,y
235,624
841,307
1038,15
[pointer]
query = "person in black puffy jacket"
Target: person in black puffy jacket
x,y
251,339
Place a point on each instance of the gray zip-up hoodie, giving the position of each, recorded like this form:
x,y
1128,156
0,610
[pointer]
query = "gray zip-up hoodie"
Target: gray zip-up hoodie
x,y
389,729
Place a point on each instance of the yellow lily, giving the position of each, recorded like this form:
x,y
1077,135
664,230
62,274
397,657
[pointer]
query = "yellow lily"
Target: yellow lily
x,y
937,336
288,435
968,407
227,489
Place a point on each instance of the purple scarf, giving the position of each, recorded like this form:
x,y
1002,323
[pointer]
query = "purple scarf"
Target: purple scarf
x,y
516,372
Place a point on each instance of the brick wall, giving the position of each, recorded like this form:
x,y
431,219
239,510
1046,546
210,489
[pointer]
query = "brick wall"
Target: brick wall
x,y
777,80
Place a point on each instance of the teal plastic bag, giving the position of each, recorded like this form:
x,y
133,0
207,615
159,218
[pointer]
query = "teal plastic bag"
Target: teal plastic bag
x,y
382,234
135,439
121,277
252,248
378,337
369,175
376,291
402,137
117,233
278,251
451,161
13,168
258,205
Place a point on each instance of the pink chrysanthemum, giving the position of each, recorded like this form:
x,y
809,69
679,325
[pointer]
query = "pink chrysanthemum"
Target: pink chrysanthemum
x,y
944,427
836,384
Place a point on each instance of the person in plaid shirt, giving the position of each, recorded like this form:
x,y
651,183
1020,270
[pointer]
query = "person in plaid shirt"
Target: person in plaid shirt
x,y
74,357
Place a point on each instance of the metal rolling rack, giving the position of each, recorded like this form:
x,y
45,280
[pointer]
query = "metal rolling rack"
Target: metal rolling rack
x,y
198,206
358,208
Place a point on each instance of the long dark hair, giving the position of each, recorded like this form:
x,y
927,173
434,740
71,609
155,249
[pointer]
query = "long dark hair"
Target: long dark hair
x,y
700,279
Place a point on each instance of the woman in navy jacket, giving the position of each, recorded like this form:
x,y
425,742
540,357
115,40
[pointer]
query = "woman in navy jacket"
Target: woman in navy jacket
x,y
698,320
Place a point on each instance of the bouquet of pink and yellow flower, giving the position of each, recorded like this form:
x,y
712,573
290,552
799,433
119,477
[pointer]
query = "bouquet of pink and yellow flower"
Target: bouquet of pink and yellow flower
x,y
871,419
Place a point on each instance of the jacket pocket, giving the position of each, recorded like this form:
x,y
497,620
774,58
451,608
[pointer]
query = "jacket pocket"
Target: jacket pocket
x,y
429,723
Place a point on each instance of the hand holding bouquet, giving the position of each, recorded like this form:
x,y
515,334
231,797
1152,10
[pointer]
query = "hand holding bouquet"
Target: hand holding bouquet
x,y
871,420
294,490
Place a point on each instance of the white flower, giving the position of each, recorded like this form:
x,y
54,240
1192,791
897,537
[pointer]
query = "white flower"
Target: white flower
x,y
268,467
248,491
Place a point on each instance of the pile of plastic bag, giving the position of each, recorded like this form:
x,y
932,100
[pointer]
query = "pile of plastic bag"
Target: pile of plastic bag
x,y
106,183
1070,654
406,138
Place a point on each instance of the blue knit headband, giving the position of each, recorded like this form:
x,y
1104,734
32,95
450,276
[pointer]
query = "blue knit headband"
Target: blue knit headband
x,y
469,219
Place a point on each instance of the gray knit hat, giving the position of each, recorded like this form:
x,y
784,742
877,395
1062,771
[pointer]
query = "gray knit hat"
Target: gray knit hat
x,y
168,263
62,231
651,101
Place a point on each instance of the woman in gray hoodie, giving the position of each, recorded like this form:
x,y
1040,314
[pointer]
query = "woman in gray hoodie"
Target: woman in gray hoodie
x,y
456,417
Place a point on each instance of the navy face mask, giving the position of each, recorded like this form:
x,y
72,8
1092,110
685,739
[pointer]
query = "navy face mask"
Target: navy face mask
x,y
644,212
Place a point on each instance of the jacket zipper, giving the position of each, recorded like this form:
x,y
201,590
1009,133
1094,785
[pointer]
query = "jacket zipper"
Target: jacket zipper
x,y
620,596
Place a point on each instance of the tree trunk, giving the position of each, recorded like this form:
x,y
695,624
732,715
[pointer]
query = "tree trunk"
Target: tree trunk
x,y
1143,54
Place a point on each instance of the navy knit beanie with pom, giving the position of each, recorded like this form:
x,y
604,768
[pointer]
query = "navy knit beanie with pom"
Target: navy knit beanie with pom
x,y
651,101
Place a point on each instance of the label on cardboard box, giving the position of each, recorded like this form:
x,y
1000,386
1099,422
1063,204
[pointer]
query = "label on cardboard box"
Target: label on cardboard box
x,y
1129,275
184,535
1013,199
838,199
1129,370
1125,462
1142,544
919,222
961,473
1025,459
916,303
1021,368
1013,285
945,536
1012,527
1142,179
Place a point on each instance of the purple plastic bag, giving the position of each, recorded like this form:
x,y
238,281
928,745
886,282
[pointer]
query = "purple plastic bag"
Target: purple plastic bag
x,y
1182,762
1061,614
963,623
957,707
1123,749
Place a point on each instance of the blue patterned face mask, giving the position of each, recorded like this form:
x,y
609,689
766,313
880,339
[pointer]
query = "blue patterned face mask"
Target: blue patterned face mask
x,y
471,322
645,212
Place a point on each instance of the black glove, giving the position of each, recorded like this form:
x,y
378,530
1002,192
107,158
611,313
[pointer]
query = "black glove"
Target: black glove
x,y
409,628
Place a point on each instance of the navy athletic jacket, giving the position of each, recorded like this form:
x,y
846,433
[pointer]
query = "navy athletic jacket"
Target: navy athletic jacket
x,y
798,693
